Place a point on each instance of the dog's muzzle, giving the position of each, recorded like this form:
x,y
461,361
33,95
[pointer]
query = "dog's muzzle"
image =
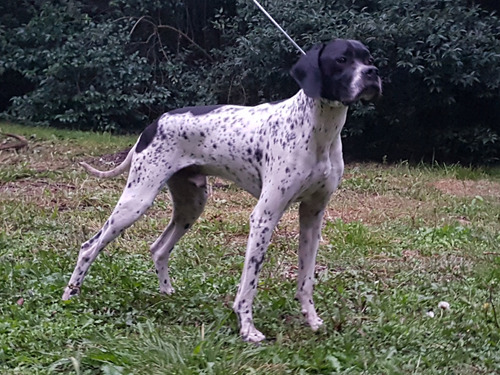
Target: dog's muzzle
x,y
371,84
366,85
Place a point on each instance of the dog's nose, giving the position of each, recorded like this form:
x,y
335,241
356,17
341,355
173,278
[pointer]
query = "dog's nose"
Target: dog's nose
x,y
371,72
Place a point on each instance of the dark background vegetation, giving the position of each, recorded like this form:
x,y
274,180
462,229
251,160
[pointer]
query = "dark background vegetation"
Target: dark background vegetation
x,y
115,65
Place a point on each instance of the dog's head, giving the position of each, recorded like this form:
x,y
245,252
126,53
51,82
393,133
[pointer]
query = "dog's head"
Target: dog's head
x,y
341,70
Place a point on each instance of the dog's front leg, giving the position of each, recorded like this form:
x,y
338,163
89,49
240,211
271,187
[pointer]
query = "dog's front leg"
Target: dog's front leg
x,y
262,222
311,216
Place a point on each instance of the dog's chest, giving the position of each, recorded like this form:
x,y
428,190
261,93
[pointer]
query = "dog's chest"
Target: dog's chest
x,y
320,176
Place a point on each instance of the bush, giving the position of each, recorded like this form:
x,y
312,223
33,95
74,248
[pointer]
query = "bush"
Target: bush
x,y
84,77
117,64
441,64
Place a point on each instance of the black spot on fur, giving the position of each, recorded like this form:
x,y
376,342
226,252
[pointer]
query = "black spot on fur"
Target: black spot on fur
x,y
258,263
258,155
147,137
277,102
196,111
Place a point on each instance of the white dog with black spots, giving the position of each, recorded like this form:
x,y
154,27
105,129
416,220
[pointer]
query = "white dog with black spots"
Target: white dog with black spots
x,y
283,152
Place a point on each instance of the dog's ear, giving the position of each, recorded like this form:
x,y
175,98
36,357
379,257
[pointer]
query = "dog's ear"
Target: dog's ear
x,y
307,72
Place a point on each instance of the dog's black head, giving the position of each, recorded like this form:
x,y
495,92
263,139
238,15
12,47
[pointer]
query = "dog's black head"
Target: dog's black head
x,y
341,70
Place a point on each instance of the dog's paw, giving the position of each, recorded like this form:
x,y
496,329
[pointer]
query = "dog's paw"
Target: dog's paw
x,y
313,319
167,289
315,323
252,335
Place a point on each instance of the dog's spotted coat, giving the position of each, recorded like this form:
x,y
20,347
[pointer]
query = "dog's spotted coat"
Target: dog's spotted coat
x,y
279,152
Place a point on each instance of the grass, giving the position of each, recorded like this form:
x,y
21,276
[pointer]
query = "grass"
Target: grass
x,y
397,240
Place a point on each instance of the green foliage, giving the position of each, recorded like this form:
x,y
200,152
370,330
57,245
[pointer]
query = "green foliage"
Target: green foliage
x,y
84,77
440,61
117,64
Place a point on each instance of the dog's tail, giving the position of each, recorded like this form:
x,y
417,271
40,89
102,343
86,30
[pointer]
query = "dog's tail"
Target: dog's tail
x,y
119,169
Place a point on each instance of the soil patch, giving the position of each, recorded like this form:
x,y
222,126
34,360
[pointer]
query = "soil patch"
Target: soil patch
x,y
108,159
468,188
371,209
44,192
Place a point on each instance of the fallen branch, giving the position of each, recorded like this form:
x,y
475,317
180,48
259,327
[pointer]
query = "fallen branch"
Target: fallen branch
x,y
22,142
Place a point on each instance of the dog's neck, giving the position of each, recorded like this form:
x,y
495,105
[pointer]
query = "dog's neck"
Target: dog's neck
x,y
325,117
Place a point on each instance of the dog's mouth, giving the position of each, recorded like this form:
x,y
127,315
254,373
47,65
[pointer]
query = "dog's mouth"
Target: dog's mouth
x,y
368,93
371,92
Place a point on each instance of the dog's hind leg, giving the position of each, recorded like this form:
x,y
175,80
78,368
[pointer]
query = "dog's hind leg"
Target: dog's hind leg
x,y
136,198
189,195
310,216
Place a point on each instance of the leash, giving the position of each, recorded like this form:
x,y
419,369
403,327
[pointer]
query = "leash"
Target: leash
x,y
278,26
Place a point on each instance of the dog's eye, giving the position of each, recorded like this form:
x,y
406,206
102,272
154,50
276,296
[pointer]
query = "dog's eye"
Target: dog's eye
x,y
341,60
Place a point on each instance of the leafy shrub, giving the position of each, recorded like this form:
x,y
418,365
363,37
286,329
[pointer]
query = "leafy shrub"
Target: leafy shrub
x,y
116,64
443,78
84,77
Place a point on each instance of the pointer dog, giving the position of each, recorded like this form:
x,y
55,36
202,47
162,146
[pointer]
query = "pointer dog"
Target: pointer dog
x,y
279,152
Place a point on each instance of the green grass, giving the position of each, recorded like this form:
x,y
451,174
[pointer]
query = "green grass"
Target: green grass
x,y
397,240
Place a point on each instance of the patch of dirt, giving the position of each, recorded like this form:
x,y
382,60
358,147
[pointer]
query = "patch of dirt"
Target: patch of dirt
x,y
347,205
45,193
468,188
370,209
34,187
109,160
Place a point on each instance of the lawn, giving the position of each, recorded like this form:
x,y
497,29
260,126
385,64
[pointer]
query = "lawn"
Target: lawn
x,y
397,241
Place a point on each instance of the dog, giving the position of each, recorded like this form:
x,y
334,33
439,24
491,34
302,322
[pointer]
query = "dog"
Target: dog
x,y
282,152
